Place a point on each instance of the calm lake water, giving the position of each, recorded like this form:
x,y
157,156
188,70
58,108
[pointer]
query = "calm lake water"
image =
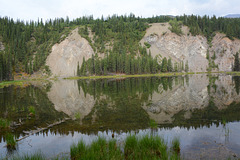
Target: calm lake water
x,y
202,111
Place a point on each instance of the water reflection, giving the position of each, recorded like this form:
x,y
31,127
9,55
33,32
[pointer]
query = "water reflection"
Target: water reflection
x,y
120,105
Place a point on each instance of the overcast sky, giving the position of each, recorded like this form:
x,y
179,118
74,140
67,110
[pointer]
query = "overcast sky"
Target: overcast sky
x,y
32,9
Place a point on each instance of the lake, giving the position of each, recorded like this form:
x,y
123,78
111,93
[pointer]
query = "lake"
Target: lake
x,y
202,110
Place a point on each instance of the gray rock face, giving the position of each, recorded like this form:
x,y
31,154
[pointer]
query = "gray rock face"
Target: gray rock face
x,y
179,48
187,98
191,48
1,46
225,49
64,58
67,98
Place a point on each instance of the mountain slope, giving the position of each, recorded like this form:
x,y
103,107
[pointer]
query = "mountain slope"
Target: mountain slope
x,y
64,58
179,48
192,48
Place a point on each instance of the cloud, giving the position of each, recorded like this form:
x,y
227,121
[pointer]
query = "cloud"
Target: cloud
x,y
34,9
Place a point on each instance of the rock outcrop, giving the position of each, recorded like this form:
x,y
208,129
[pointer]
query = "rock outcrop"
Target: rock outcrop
x,y
224,49
1,46
191,48
68,98
192,96
179,48
64,58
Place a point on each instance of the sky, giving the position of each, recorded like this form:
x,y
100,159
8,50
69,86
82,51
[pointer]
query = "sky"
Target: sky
x,y
46,9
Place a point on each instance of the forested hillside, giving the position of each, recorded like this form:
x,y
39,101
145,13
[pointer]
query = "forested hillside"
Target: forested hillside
x,y
115,38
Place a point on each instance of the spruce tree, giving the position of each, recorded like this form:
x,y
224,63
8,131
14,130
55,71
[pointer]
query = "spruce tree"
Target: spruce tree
x,y
186,67
164,65
236,62
170,68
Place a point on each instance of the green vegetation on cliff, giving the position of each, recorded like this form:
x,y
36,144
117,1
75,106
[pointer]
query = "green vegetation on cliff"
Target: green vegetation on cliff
x,y
27,44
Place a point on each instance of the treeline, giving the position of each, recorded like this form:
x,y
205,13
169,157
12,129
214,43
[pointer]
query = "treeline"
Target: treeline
x,y
207,26
27,44
236,66
128,64
117,33
131,86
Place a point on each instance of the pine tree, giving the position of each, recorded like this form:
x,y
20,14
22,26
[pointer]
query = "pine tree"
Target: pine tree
x,y
164,65
170,68
182,66
236,62
175,67
78,70
207,56
127,65
105,66
186,67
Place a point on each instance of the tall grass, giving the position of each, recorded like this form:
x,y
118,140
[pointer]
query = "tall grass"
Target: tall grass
x,y
37,156
176,146
153,123
99,149
4,123
11,141
32,110
145,147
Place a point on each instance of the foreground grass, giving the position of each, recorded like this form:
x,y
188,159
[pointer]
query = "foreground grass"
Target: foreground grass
x,y
146,147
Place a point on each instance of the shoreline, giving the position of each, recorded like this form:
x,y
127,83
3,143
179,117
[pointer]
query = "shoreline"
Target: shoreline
x,y
168,74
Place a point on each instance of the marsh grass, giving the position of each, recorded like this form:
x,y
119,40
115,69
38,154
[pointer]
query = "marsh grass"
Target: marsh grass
x,y
36,156
129,76
32,110
99,149
77,115
4,124
11,141
176,146
145,147
153,123
8,83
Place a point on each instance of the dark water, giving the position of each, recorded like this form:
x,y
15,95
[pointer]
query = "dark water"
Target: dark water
x,y
202,111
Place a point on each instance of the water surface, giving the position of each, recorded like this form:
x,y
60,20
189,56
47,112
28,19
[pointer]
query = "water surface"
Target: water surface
x,y
203,111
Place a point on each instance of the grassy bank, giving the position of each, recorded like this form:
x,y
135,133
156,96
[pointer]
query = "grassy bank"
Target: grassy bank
x,y
129,76
145,147
8,83
169,74
233,73
20,82
134,147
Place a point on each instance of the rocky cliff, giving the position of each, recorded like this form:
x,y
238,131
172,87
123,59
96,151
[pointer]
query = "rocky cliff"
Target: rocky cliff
x,y
67,98
191,48
193,95
64,58
225,49
1,46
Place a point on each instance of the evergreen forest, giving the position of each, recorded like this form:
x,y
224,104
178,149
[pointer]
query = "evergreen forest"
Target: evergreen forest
x,y
28,43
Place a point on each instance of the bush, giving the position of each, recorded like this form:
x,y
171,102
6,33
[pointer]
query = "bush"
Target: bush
x,y
147,44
